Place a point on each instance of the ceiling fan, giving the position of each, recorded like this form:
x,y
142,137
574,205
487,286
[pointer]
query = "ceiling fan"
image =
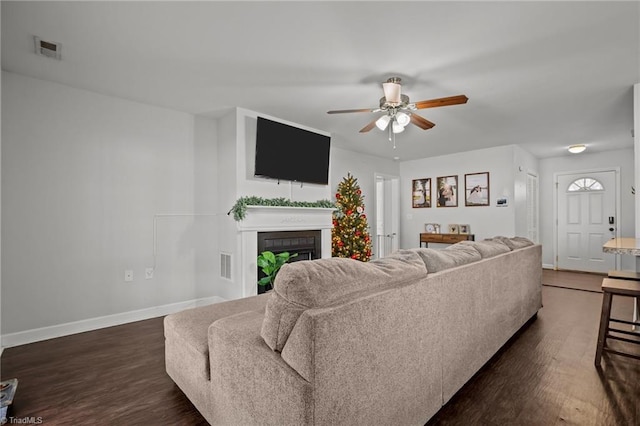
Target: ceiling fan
x,y
399,112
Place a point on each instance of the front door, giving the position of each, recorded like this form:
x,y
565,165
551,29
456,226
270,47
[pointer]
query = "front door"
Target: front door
x,y
586,220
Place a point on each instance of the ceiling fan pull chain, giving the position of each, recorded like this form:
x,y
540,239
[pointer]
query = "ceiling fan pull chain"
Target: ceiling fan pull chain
x,y
392,137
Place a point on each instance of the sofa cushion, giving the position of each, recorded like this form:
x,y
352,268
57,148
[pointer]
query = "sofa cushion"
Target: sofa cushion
x,y
488,248
318,283
189,328
452,256
513,243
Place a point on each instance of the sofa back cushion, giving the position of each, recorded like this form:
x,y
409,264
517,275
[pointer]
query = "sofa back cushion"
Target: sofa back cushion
x,y
450,257
488,248
319,283
513,243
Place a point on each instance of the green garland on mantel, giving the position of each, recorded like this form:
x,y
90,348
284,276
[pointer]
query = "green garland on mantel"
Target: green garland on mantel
x,y
239,209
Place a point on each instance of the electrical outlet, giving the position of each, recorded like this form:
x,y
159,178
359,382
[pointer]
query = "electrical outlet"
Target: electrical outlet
x,y
148,273
128,275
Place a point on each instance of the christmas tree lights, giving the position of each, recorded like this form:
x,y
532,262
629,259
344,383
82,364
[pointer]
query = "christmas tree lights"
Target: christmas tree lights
x,y
350,236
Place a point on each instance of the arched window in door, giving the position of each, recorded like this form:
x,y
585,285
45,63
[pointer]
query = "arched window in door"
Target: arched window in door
x,y
585,184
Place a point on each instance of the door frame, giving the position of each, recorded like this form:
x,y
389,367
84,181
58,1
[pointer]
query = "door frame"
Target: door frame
x,y
556,194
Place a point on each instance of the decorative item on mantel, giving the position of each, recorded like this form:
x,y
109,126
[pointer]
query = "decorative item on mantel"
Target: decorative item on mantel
x,y
239,209
349,236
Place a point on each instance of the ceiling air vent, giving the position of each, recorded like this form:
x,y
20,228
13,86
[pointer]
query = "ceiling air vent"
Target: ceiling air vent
x,y
49,49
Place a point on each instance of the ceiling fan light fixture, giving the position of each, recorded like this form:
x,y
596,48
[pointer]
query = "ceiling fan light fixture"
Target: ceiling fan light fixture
x,y
392,92
577,149
397,127
383,122
403,119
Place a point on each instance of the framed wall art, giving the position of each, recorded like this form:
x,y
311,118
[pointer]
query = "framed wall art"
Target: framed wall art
x,y
421,193
476,189
464,229
447,191
454,228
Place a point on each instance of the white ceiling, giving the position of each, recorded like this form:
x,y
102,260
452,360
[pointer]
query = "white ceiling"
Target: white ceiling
x,y
543,75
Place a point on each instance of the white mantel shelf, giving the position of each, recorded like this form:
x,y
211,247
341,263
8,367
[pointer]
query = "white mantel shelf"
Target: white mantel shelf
x,y
274,219
283,218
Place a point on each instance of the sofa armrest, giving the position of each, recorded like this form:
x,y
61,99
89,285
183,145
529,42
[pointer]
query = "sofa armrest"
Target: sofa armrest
x,y
250,383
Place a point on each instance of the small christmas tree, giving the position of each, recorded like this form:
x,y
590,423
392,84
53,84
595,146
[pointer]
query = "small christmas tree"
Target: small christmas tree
x,y
350,237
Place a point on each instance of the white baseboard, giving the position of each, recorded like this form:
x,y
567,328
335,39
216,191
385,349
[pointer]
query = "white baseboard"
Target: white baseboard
x,y
44,333
547,266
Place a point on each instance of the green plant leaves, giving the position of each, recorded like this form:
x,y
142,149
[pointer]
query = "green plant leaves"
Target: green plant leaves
x,y
264,281
269,257
271,263
239,209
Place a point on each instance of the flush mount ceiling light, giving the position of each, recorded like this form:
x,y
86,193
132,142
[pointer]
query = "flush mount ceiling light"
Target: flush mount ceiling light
x,y
577,149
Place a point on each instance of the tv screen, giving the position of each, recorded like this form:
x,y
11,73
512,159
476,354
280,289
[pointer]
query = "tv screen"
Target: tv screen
x,y
290,153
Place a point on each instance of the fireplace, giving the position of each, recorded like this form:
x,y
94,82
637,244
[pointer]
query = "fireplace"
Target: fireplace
x,y
277,219
306,244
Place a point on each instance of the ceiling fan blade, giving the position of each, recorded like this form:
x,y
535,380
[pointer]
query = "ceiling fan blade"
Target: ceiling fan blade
x,y
440,102
342,111
421,122
369,126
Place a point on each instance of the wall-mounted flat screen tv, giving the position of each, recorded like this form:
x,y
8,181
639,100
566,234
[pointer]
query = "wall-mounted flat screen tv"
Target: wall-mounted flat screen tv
x,y
289,153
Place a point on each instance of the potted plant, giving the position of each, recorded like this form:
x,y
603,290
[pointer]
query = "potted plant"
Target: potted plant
x,y
270,263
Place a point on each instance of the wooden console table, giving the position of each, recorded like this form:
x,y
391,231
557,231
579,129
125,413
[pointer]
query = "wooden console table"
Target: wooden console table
x,y
444,238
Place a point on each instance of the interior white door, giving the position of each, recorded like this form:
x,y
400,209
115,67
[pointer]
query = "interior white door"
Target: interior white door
x,y
586,220
387,215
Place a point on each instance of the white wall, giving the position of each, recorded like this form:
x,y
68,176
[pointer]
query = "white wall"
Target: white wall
x,y
82,177
636,144
229,241
205,227
1,345
485,222
622,158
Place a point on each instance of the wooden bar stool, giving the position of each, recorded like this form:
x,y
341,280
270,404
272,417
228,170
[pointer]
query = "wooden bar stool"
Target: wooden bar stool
x,y
617,287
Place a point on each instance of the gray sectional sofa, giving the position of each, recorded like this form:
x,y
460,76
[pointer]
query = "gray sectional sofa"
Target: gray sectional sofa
x,y
344,342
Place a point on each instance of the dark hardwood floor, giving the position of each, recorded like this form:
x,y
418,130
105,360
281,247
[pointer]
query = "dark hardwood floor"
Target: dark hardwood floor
x,y
543,376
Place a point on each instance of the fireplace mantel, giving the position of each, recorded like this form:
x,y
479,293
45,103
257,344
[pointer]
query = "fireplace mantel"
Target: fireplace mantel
x,y
280,218
277,218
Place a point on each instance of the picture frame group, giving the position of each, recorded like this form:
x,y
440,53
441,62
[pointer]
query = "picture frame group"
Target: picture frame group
x,y
476,191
